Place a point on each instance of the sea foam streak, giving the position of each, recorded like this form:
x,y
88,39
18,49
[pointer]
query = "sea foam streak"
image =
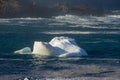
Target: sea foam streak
x,y
81,32
27,18
114,16
71,20
57,47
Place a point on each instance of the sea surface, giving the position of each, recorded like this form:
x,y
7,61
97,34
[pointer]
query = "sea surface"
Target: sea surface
x,y
99,36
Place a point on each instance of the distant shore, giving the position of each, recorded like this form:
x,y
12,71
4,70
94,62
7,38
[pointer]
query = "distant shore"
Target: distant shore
x,y
16,9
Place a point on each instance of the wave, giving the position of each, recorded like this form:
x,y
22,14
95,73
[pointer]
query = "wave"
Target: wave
x,y
68,21
20,21
114,16
68,32
63,17
72,19
81,32
27,18
84,21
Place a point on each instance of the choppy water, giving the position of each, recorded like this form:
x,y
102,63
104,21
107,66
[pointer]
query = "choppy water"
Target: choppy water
x,y
99,36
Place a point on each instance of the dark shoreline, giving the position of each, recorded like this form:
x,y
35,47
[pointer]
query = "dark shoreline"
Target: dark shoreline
x,y
16,8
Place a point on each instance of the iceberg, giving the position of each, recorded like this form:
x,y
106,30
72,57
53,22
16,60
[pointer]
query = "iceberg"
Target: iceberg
x,y
46,49
57,47
69,45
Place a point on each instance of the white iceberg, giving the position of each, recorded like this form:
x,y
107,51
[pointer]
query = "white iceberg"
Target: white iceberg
x,y
57,47
69,45
46,49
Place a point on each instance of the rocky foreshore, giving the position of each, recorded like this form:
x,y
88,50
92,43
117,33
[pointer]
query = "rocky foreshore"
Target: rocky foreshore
x,y
59,69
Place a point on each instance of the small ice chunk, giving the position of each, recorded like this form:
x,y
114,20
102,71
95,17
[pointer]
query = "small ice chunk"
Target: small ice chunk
x,y
26,50
26,79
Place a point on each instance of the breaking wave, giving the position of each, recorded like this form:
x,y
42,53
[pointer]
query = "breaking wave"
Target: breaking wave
x,y
71,20
114,16
108,24
27,18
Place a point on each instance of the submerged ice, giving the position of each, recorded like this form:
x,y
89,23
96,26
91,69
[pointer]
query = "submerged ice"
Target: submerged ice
x,y
58,47
25,50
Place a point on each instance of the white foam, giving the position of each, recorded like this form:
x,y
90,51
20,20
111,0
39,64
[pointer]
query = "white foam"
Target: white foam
x,y
19,21
68,21
72,19
88,21
67,32
27,18
114,16
81,32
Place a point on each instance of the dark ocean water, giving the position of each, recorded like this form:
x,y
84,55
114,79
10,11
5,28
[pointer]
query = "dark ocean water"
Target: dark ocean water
x,y
99,36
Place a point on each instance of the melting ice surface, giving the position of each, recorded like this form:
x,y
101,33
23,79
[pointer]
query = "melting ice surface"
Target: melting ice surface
x,y
58,47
